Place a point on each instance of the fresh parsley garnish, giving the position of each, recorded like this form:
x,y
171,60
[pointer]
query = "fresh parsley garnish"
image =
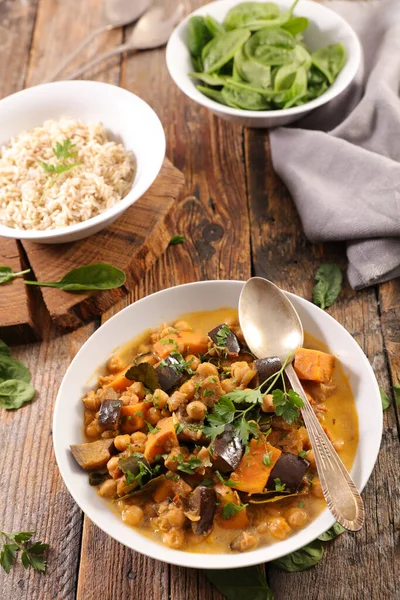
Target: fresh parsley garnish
x,y
151,428
179,427
228,482
181,366
230,509
279,486
303,454
188,466
287,404
32,554
63,152
267,459
222,336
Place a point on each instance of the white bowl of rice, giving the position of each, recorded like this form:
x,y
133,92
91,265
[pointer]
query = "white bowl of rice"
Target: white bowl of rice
x,y
74,155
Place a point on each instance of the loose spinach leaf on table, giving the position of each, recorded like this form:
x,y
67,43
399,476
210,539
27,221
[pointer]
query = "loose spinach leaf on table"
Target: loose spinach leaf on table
x,y
98,276
332,533
4,349
14,393
11,368
301,559
328,285
385,399
7,274
33,555
241,584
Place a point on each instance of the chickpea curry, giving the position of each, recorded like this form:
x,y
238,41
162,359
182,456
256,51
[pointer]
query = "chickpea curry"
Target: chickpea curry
x,y
200,445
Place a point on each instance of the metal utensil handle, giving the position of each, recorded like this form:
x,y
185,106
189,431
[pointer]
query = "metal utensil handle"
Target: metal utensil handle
x,y
96,61
77,50
340,492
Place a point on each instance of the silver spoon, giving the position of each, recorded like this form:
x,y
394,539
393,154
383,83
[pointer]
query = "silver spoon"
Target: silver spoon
x,y
151,31
117,13
272,327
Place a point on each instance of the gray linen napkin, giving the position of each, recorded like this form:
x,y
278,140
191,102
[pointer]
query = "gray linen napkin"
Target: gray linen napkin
x,y
341,163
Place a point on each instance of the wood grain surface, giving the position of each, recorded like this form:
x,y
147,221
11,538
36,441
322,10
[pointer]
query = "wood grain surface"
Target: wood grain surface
x,y
238,220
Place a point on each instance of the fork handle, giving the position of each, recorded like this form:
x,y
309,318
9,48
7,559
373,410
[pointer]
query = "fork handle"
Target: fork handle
x,y
77,50
92,63
340,492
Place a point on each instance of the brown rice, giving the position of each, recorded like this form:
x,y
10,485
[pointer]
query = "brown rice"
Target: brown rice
x,y
27,201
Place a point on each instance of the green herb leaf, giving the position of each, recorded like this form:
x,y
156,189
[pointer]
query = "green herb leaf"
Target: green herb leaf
x,y
151,428
98,276
188,466
239,396
230,509
279,486
396,390
328,285
11,368
228,482
303,454
301,559
177,239
7,556
385,399
32,556
145,373
14,393
267,459
332,533
7,274
4,349
179,427
241,584
222,336
64,150
287,405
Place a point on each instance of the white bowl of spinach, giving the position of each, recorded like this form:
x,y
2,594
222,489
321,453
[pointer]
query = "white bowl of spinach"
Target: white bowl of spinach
x,y
263,64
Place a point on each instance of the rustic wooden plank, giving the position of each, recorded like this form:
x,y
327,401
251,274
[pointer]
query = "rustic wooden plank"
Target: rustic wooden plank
x,y
281,253
213,217
17,20
132,243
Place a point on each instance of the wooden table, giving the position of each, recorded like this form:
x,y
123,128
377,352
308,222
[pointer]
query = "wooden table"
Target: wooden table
x,y
238,220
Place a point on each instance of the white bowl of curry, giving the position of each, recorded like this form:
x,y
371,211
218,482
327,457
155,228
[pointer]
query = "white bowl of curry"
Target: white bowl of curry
x,y
191,459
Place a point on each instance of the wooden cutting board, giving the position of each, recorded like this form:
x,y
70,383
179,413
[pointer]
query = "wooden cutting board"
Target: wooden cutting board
x,y
133,243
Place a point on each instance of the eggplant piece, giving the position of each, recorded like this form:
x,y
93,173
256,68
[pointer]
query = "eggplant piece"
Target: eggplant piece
x,y
145,489
266,367
92,455
201,509
168,375
290,470
223,336
132,464
109,413
227,451
97,477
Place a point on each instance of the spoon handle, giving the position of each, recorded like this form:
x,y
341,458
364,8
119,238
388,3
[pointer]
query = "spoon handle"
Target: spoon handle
x,y
77,50
340,492
101,58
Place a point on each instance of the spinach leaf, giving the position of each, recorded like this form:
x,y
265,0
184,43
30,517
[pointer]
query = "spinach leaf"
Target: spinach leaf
x,y
210,79
98,276
247,14
384,399
238,97
14,393
329,284
145,373
332,533
11,368
251,71
330,60
241,584
222,48
7,274
296,25
301,559
198,36
4,349
212,94
213,26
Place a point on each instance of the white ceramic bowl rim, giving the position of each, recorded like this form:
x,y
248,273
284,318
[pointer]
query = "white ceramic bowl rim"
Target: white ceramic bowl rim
x,y
76,480
186,84
137,191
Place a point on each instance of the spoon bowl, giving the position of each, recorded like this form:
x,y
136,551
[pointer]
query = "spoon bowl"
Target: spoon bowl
x,y
272,327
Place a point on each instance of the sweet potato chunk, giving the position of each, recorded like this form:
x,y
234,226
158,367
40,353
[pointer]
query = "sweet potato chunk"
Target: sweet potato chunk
x,y
92,455
225,495
186,342
252,474
162,441
133,417
313,365
319,392
120,382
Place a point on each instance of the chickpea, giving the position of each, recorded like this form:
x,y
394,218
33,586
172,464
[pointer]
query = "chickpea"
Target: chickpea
x,y
268,404
121,442
132,515
88,417
244,541
115,364
112,464
153,415
182,326
196,410
311,459
176,517
278,528
262,527
207,369
174,539
176,400
92,429
138,441
171,462
107,435
108,488
188,388
92,401
138,389
228,385
316,489
296,517
193,360
160,398
338,445
121,485
129,399
167,331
